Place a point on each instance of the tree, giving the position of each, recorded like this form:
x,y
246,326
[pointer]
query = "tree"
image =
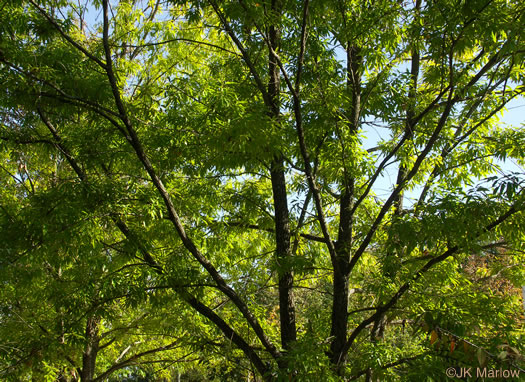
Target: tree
x,y
206,163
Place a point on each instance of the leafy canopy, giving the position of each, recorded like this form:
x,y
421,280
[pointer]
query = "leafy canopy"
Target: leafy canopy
x,y
194,189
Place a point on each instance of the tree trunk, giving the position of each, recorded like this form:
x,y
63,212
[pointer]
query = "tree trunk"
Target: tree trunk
x,y
90,350
280,201
344,243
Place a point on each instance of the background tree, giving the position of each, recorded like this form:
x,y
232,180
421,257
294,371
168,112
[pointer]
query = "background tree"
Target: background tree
x,y
202,168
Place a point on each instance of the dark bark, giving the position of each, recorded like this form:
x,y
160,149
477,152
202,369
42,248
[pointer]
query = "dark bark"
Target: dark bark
x,y
410,114
344,242
89,357
283,253
280,200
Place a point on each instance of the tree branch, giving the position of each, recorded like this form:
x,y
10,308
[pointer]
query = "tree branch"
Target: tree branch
x,y
67,37
258,81
406,286
451,101
174,217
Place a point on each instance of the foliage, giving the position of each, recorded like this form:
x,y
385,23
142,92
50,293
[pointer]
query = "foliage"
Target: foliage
x,y
192,189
